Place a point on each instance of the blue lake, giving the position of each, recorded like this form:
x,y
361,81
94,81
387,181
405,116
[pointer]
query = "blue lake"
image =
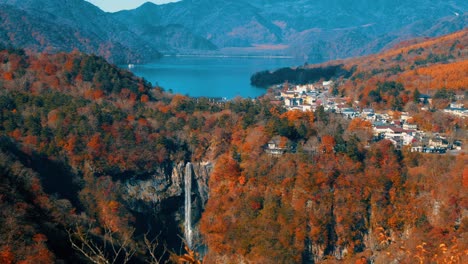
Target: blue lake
x,y
210,76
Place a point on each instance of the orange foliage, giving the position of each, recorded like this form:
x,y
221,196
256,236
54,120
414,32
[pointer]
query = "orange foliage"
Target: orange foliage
x,y
113,206
31,140
293,115
69,64
70,145
144,98
432,64
95,144
39,253
16,134
226,168
242,180
8,76
451,76
6,256
143,122
465,177
133,97
130,118
98,94
50,69
359,124
296,115
460,35
328,143
177,100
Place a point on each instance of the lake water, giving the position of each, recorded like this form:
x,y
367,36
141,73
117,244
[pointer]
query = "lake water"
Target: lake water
x,y
210,76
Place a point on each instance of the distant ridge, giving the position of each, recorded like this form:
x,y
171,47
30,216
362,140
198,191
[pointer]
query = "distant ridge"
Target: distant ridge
x,y
55,26
314,30
317,30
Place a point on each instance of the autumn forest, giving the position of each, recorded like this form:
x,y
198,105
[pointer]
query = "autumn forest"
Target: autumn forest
x,y
79,135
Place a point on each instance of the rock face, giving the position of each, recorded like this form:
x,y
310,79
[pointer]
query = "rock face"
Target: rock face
x,y
164,195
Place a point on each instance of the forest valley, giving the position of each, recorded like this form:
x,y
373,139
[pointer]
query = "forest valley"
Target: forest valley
x,y
78,134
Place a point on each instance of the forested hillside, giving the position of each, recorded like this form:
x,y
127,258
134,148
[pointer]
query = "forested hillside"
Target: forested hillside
x,y
79,136
425,65
428,66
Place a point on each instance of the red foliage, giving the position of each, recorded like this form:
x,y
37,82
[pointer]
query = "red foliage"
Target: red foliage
x,y
98,94
359,124
6,255
95,145
8,76
144,98
465,177
328,143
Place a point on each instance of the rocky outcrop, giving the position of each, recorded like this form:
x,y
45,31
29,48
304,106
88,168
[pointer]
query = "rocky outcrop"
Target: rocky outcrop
x,y
163,195
160,187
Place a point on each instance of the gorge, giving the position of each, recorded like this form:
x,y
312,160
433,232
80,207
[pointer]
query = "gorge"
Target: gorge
x,y
98,165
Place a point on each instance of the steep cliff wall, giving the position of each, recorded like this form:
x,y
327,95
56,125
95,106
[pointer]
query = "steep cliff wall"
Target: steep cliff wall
x,y
162,196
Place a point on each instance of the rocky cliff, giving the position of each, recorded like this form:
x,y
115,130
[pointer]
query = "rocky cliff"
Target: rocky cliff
x,y
162,196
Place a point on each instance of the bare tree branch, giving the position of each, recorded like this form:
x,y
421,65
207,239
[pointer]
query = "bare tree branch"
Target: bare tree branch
x,y
114,248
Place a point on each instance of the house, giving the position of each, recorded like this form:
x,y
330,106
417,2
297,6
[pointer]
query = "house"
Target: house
x,y
425,99
438,142
307,107
405,116
417,149
293,101
349,113
462,112
367,112
407,126
288,94
398,136
276,146
304,88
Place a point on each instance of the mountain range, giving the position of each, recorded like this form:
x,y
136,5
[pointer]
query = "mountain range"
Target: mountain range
x,y
315,30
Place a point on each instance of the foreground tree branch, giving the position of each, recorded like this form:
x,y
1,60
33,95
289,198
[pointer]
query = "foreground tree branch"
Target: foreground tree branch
x,y
108,249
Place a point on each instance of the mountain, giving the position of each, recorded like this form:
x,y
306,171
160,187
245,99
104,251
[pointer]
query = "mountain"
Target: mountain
x,y
318,30
314,30
76,24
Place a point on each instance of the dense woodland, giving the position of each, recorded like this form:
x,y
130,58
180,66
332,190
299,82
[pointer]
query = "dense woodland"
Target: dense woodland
x,y
300,75
74,129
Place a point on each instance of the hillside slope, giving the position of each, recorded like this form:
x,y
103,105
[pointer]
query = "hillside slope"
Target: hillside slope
x,y
91,155
428,65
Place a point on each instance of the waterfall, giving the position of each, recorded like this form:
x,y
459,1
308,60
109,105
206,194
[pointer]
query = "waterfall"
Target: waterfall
x,y
188,205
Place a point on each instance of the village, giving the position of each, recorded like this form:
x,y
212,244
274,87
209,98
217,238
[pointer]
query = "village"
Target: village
x,y
401,132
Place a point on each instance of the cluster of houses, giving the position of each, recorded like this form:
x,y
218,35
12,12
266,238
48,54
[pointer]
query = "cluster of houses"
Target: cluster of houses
x,y
401,133
310,96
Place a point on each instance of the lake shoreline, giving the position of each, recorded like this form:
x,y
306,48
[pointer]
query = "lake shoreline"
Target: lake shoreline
x,y
210,76
230,56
